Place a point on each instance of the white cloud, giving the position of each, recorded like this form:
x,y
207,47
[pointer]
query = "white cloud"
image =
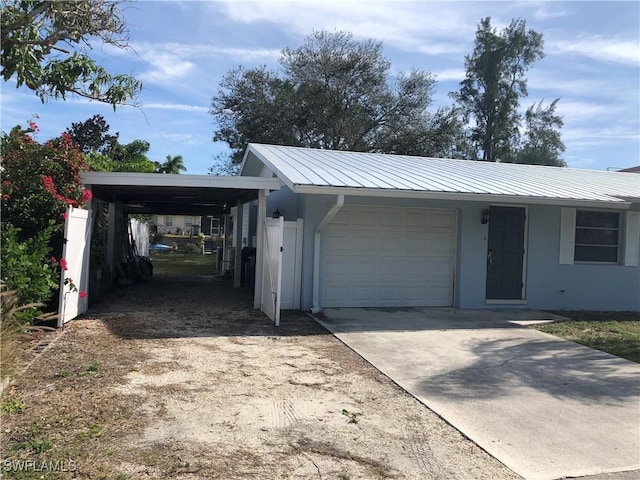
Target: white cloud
x,y
417,26
165,67
547,10
584,111
176,106
450,74
170,61
618,50
192,51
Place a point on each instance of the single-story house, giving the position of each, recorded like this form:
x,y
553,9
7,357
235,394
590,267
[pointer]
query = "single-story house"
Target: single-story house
x,y
378,230
176,223
323,228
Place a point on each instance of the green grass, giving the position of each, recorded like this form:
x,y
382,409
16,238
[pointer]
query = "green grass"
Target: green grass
x,y
617,333
172,263
12,405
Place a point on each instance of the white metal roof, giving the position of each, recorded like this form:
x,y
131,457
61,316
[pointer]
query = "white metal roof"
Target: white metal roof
x,y
307,170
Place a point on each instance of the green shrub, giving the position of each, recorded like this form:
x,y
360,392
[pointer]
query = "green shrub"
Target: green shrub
x,y
157,237
28,269
193,248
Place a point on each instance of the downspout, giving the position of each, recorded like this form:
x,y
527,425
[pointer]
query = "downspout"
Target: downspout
x,y
316,251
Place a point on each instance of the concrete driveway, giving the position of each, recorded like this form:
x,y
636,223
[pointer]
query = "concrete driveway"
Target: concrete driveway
x,y
545,407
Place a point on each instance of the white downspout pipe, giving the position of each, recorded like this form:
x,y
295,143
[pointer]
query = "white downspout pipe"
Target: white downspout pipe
x,y
316,252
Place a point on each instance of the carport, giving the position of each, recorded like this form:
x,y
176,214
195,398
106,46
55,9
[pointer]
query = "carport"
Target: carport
x,y
150,193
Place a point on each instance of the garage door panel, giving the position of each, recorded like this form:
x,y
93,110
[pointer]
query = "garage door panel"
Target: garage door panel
x,y
364,218
352,268
389,219
441,245
382,256
442,221
382,292
387,243
363,243
346,243
336,295
417,219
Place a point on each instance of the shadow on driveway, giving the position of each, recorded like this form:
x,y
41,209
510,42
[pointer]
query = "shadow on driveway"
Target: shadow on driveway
x,y
548,365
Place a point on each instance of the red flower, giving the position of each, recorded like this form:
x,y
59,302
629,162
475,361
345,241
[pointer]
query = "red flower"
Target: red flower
x,y
64,215
6,196
54,260
82,294
86,195
63,265
6,183
49,186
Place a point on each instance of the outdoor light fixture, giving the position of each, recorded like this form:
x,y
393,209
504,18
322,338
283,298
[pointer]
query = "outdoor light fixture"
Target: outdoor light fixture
x,y
276,213
485,216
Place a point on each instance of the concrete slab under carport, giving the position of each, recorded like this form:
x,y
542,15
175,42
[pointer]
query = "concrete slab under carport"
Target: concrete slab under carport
x,y
545,407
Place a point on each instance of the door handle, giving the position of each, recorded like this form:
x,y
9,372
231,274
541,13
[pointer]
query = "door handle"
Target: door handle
x,y
490,258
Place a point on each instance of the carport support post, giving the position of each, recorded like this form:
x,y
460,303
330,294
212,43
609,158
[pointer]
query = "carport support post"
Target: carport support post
x,y
111,241
262,214
237,239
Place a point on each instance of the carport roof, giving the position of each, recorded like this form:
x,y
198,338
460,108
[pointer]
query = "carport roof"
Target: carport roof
x,y
176,194
306,170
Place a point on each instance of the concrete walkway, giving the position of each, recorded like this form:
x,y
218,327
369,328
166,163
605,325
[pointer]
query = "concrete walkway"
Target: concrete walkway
x,y
545,407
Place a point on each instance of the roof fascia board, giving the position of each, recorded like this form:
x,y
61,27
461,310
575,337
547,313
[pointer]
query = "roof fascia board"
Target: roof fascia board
x,y
473,197
266,161
244,160
159,180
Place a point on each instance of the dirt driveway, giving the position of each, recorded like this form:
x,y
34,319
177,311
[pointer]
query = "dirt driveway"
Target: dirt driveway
x,y
180,378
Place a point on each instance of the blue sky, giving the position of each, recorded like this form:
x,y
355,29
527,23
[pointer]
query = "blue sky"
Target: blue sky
x,y
180,50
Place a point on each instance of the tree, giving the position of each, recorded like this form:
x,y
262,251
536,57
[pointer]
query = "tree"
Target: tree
x,y
104,153
93,135
332,92
543,144
132,157
494,83
173,165
45,44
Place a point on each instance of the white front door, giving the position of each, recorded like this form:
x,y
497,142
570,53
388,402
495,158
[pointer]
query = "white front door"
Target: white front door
x,y
389,257
74,281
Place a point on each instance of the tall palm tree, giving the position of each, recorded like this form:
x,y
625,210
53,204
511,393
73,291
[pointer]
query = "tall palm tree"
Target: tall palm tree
x,y
172,165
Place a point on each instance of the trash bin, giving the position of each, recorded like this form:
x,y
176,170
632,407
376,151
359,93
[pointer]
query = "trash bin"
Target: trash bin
x,y
247,253
219,259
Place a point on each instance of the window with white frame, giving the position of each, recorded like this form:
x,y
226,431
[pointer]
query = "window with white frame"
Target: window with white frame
x,y
168,221
597,236
188,222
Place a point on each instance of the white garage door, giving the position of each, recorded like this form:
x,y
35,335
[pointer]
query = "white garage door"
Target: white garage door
x,y
389,257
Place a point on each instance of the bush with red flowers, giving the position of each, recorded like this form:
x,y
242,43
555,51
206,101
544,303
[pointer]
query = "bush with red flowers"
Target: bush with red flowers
x,y
39,182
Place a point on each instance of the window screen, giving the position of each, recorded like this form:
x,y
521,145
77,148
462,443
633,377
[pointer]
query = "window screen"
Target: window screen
x,y
597,236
